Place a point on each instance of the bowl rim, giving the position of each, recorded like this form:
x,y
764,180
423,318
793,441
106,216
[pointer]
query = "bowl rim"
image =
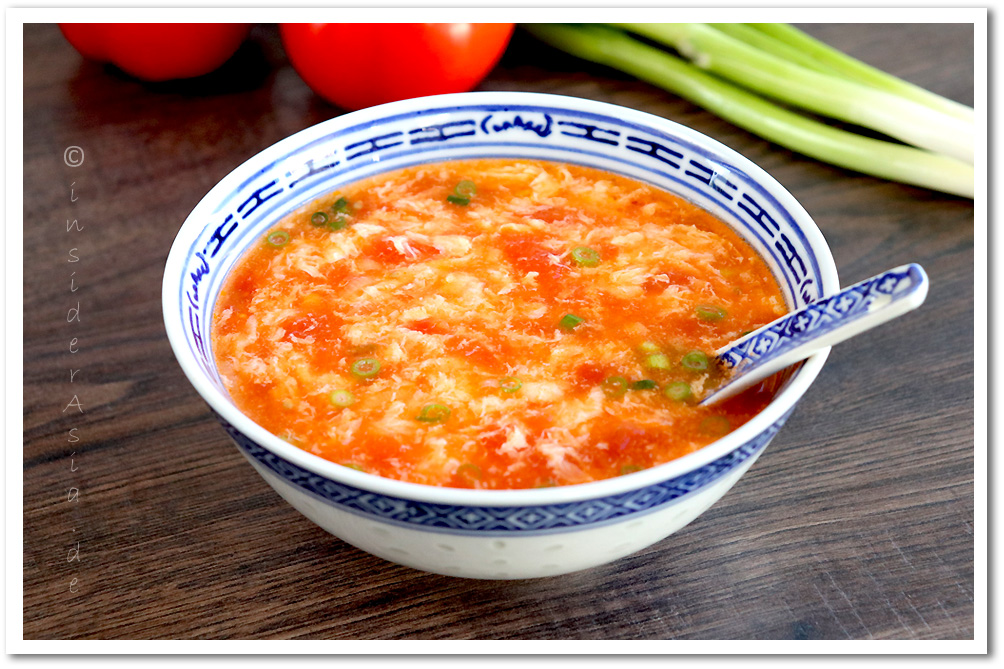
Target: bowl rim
x,y
220,403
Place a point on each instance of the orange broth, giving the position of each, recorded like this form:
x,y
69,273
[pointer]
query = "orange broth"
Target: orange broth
x,y
544,327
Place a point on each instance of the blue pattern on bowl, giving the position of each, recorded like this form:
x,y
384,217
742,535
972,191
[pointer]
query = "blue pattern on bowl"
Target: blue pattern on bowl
x,y
301,174
501,520
296,171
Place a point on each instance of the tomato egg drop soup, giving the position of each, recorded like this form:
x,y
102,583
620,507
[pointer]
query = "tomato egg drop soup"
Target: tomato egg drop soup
x,y
492,324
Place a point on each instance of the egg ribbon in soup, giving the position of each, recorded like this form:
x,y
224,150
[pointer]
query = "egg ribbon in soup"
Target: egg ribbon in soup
x,y
492,323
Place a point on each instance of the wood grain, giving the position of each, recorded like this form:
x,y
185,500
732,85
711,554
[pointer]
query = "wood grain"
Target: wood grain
x,y
856,523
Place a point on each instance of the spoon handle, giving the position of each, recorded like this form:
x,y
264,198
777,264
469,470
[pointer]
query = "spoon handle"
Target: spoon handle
x,y
825,322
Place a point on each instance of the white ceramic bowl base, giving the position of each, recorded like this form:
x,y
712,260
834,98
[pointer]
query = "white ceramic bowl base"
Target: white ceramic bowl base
x,y
491,533
504,557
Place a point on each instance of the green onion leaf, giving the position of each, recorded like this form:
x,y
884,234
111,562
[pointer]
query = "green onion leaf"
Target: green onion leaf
x,y
824,58
751,35
352,465
678,391
510,384
338,222
277,238
630,469
318,219
342,398
341,205
457,200
585,256
570,321
709,312
365,368
644,384
695,360
820,93
434,413
615,386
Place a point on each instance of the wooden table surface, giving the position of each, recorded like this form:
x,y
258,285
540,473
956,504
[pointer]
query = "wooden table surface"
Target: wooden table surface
x,y
142,521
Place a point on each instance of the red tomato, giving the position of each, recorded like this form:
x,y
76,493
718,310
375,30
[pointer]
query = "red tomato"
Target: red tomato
x,y
158,51
356,65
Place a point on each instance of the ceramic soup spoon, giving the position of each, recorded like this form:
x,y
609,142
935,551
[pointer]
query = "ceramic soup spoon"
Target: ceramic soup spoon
x,y
823,323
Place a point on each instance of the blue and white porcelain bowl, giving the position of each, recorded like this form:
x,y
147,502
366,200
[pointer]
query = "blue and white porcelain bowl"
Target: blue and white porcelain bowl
x,y
491,534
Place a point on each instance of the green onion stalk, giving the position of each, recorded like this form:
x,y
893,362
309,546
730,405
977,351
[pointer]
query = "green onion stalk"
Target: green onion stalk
x,y
733,65
824,58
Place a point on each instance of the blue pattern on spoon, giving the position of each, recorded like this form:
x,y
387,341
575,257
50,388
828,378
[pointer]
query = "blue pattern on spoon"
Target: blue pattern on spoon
x,y
820,324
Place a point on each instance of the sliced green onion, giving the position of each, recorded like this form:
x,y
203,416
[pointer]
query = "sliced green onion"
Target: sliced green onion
x,y
709,312
510,384
462,193
630,469
338,222
342,398
716,426
585,256
434,413
615,386
318,219
658,361
678,391
341,205
648,347
365,368
695,360
773,122
570,321
277,238
465,188
644,384
352,465
469,471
